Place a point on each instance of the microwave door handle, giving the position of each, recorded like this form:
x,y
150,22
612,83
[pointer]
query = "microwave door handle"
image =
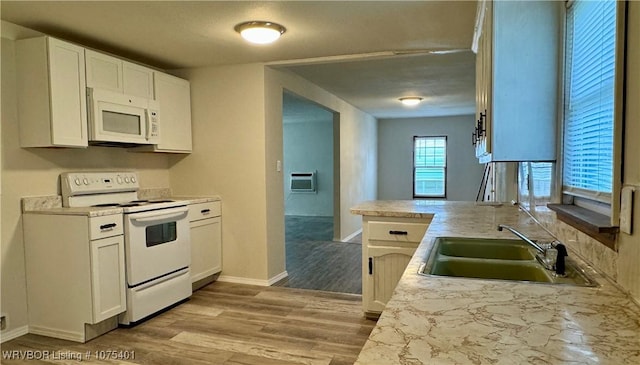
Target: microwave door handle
x,y
148,123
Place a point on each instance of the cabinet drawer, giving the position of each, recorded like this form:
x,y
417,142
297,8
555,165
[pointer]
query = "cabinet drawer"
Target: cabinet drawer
x,y
204,210
397,231
105,226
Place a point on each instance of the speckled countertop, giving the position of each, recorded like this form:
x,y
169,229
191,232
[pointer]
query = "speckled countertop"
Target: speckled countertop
x,y
444,320
52,204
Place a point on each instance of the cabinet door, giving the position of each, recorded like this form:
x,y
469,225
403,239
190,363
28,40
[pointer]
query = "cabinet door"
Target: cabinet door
x,y
382,269
206,248
137,80
483,86
107,277
174,97
68,98
104,71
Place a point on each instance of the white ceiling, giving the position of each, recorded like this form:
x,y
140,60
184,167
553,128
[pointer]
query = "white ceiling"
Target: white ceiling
x,y
343,46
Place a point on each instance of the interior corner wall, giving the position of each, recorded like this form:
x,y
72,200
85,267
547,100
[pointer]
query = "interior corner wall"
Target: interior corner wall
x,y
228,159
628,264
308,147
358,143
35,172
395,156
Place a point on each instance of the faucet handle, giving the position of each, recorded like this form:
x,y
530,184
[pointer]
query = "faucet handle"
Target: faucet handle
x,y
560,264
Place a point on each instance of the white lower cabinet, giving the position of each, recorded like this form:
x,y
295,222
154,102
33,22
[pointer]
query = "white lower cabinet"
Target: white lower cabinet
x,y
205,222
108,291
76,283
387,247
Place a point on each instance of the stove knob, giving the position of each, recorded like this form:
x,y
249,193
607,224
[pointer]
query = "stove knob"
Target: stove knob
x,y
85,181
133,179
126,179
119,179
77,181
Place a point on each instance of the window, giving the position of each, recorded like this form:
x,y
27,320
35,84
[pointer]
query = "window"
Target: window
x,y
589,99
534,182
429,167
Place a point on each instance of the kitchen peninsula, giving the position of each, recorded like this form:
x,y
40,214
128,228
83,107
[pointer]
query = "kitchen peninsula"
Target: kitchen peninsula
x,y
445,320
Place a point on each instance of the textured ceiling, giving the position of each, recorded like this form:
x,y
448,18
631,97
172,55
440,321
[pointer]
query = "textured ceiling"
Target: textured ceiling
x,y
182,34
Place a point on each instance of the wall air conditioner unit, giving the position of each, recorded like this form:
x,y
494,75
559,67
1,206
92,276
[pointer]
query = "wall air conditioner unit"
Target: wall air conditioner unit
x,y
303,182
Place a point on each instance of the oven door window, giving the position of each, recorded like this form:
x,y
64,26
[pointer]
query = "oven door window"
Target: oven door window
x,y
161,233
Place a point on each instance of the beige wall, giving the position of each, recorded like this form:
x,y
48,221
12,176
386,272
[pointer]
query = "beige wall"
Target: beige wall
x,y
357,150
227,108
237,129
34,172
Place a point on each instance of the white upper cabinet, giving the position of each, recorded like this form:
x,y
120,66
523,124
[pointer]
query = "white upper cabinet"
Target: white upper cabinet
x,y
174,97
517,80
104,71
137,80
111,73
52,102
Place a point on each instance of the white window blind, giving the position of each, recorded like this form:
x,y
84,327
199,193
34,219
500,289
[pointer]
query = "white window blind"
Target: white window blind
x,y
429,167
589,99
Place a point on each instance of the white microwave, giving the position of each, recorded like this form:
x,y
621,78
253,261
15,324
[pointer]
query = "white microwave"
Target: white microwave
x,y
116,118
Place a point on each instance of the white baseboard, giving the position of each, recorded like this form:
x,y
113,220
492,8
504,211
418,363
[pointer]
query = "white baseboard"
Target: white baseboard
x,y
14,333
241,280
351,236
250,281
278,277
56,333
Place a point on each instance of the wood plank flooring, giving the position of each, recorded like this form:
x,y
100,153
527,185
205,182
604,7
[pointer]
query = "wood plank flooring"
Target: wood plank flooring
x,y
316,262
229,324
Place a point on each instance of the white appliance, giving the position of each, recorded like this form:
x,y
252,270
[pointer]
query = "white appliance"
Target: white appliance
x,y
156,238
116,118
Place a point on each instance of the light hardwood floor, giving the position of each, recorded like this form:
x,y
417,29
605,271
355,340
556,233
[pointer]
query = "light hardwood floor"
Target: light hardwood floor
x,y
230,324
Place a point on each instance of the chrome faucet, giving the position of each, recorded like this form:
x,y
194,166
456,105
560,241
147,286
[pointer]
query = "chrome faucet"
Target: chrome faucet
x,y
523,237
551,257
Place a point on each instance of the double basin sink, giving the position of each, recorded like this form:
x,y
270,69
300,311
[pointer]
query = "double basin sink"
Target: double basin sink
x,y
501,259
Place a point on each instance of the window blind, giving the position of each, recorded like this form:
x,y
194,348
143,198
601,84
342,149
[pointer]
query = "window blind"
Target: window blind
x,y
589,99
429,166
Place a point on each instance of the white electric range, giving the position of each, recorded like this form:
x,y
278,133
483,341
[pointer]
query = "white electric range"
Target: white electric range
x,y
156,237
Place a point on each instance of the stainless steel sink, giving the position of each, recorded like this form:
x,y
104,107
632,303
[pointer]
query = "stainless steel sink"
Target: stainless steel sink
x,y
500,259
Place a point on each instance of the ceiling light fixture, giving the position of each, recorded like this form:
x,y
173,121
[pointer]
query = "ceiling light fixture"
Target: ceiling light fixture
x,y
260,32
410,100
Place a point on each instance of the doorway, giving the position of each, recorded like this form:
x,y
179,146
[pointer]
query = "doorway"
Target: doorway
x,y
315,258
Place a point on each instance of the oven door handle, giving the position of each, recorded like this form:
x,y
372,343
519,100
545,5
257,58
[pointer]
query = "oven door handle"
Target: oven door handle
x,y
158,214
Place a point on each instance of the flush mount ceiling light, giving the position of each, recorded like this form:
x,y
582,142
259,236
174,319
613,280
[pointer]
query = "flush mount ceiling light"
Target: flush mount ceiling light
x,y
260,32
410,100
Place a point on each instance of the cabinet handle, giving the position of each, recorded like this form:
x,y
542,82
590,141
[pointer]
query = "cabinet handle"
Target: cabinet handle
x,y
205,211
370,265
481,129
108,227
399,233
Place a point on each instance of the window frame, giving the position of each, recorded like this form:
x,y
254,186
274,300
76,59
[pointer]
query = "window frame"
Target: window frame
x,y
413,163
612,208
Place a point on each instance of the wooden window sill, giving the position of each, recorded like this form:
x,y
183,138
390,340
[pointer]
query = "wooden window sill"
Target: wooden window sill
x,y
595,225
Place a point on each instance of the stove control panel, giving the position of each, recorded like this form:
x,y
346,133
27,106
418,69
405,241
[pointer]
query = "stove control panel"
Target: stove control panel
x,y
84,183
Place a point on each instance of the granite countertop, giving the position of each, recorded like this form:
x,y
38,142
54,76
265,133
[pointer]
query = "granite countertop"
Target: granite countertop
x,y
445,320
